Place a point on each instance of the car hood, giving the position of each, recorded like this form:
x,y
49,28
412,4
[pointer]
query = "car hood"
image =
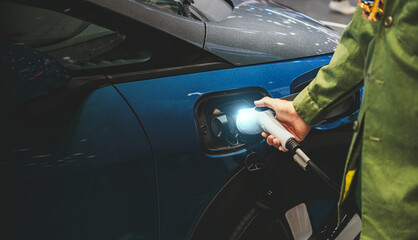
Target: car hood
x,y
260,31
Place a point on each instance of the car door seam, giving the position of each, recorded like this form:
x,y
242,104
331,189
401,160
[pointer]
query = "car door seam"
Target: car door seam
x,y
153,156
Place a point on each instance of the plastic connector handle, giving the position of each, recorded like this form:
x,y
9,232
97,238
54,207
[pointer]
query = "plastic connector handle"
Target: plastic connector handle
x,y
271,125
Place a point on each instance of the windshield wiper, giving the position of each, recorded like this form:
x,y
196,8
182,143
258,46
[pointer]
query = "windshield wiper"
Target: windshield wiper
x,y
184,7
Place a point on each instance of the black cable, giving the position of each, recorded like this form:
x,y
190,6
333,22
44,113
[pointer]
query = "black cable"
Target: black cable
x,y
294,148
324,177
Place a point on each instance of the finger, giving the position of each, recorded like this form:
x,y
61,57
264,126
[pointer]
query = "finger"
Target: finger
x,y
276,143
264,134
269,140
262,102
259,103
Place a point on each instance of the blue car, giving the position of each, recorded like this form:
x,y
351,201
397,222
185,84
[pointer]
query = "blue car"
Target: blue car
x,y
119,120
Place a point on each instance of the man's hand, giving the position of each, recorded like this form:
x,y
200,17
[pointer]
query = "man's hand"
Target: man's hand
x,y
287,116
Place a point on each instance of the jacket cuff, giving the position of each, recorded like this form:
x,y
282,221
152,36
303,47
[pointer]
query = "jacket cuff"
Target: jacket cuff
x,y
307,108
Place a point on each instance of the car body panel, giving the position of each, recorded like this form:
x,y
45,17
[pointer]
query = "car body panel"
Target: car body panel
x,y
188,179
104,133
263,31
246,36
190,30
150,120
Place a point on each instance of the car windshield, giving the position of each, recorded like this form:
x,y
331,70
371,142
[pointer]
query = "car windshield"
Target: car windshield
x,y
204,10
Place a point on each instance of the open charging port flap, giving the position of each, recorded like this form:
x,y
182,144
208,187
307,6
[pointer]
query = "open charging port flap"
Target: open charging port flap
x,y
215,115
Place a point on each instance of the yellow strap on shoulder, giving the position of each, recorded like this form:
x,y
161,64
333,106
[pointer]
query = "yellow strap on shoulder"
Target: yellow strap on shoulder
x,y
348,180
374,11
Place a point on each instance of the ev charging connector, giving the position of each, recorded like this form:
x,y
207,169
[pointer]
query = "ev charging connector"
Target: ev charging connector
x,y
256,120
253,121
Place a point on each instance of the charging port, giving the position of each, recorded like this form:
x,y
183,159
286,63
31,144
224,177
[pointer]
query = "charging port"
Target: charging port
x,y
215,115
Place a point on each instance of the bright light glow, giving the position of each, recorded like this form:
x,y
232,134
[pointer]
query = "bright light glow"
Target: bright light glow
x,y
247,121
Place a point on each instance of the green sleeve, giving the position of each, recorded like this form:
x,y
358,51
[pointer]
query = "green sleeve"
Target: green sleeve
x,y
342,77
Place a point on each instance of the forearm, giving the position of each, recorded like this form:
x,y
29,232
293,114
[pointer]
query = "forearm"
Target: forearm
x,y
342,77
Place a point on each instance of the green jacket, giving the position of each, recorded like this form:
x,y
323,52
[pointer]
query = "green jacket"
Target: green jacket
x,y
382,57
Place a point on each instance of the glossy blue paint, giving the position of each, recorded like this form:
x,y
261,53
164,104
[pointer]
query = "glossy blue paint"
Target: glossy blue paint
x,y
187,179
109,127
103,131
101,164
